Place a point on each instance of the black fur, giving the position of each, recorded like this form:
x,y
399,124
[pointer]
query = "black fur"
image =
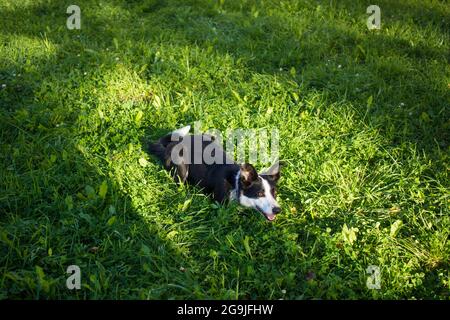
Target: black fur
x,y
217,179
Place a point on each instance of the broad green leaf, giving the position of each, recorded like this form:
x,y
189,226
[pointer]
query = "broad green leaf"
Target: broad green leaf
x,y
145,250
40,273
361,49
138,117
81,196
69,202
103,189
236,95
41,277
247,246
4,238
90,51
293,72
157,101
90,192
143,162
172,234
369,101
111,220
349,235
186,205
425,117
395,227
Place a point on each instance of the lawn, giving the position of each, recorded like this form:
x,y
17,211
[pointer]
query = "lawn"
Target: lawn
x,y
363,117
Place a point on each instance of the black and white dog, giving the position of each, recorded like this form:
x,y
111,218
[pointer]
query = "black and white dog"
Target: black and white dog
x,y
184,155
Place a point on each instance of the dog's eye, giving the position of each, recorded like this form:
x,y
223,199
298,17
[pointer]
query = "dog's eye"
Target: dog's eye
x,y
260,194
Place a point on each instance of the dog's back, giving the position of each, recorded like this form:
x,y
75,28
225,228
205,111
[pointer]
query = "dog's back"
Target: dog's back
x,y
198,160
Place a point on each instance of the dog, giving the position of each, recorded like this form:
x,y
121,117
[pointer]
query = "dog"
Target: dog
x,y
199,160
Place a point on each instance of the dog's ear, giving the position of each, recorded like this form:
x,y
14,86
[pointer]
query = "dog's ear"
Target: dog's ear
x,y
273,173
248,175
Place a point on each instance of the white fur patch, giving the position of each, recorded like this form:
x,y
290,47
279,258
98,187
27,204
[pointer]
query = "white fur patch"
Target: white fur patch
x,y
233,193
264,204
181,132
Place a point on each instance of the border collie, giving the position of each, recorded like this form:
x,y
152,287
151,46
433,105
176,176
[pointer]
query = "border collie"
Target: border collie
x,y
184,156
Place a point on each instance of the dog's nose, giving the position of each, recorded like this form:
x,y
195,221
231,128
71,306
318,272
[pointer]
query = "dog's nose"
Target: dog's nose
x,y
276,210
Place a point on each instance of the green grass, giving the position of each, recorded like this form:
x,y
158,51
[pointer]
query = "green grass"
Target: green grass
x,y
364,126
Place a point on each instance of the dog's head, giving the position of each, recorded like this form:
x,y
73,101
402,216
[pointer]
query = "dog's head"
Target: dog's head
x,y
258,191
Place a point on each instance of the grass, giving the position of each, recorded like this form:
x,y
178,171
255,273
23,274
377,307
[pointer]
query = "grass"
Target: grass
x,y
364,126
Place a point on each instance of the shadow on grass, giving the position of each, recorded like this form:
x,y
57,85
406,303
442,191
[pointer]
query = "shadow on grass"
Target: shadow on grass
x,y
57,207
55,213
